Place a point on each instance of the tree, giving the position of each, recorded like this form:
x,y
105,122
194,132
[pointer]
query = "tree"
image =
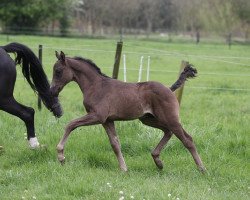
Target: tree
x,y
113,16
242,8
31,14
21,13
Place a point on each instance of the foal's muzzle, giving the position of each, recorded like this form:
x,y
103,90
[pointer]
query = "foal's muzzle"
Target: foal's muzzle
x,y
56,107
54,91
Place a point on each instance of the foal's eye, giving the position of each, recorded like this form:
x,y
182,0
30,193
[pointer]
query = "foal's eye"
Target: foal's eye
x,y
58,72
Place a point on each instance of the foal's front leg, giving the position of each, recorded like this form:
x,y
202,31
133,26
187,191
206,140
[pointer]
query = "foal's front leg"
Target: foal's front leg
x,y
114,141
89,119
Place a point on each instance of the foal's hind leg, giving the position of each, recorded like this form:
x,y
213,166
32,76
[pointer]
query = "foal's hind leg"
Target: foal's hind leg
x,y
156,152
187,141
25,113
191,147
114,141
153,122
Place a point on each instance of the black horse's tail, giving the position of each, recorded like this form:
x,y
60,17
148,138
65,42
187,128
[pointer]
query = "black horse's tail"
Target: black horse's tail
x,y
188,72
33,71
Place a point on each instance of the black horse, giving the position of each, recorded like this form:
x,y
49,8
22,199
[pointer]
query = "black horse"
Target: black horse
x,y
37,79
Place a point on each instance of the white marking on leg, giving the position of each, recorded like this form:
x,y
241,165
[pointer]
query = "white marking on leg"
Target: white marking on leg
x,y
33,142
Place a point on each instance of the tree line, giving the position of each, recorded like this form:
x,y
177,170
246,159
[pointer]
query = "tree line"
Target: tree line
x,y
97,17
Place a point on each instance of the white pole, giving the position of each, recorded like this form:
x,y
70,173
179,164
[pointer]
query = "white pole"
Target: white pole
x,y
140,70
124,68
148,68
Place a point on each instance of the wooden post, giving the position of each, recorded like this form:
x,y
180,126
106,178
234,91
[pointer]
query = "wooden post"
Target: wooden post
x,y
117,60
229,40
179,91
40,56
197,37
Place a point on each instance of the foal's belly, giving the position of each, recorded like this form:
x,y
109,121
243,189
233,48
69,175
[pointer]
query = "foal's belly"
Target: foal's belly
x,y
128,111
127,103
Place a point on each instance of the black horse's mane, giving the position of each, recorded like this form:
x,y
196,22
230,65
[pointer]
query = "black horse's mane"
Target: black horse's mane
x,y
92,64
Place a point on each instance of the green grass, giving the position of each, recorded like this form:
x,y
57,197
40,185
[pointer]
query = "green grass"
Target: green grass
x,y
217,119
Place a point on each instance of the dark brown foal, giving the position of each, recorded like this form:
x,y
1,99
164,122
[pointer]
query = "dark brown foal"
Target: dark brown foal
x,y
107,100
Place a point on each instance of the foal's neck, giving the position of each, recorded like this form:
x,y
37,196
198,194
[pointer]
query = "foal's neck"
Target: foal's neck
x,y
85,75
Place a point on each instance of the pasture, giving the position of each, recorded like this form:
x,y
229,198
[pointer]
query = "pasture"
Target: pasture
x,y
215,110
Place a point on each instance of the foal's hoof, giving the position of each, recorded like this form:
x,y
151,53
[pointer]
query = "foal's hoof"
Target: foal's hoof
x,y
202,170
159,164
62,162
61,159
124,169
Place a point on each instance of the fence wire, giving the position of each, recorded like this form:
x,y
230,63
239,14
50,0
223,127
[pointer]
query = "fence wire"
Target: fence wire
x,y
157,52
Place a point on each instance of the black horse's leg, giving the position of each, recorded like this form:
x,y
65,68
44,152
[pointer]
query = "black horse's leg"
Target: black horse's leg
x,y
7,101
10,105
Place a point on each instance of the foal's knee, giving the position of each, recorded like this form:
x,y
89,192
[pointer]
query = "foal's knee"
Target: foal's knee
x,y
114,142
187,135
188,143
186,139
155,154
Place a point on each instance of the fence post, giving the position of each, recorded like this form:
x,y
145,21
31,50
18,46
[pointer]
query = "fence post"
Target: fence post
x,y
117,59
229,40
148,68
179,91
124,68
40,56
197,37
140,69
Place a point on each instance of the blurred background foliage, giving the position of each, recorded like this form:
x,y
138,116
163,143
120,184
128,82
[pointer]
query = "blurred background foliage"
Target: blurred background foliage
x,y
135,17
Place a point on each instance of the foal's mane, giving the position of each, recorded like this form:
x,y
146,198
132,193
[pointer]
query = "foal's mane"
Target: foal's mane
x,y
92,64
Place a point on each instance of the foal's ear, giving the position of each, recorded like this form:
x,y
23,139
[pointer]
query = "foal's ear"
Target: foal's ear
x,y
57,55
62,56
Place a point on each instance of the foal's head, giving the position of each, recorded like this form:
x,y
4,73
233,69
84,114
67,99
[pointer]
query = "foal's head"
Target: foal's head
x,y
62,74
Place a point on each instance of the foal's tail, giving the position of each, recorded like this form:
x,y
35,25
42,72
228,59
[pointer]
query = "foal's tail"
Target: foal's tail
x,y
33,71
188,72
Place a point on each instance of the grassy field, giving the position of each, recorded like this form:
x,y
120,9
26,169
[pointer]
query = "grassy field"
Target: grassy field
x,y
215,110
